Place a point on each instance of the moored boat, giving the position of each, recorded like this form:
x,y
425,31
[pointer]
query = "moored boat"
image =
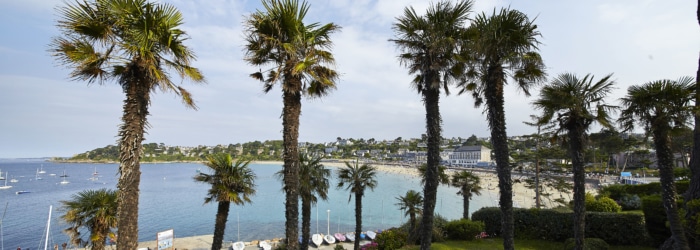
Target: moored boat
x,y
22,192
370,235
339,237
238,245
317,239
329,239
350,237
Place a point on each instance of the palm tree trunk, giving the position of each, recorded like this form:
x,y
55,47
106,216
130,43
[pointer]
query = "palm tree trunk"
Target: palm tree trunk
x,y
576,140
220,225
305,222
431,100
693,191
358,219
664,157
290,126
499,140
538,199
465,204
130,148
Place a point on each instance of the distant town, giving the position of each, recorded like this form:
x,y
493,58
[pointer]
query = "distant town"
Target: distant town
x,y
607,151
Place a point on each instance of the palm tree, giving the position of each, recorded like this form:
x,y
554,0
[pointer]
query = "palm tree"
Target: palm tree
x,y
95,210
231,182
429,45
661,107
136,43
443,178
299,55
693,191
356,179
468,184
503,44
313,180
577,104
411,202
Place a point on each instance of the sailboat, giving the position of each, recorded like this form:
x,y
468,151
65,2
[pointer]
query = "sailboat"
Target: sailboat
x,y
64,181
48,227
265,245
317,238
1,177
238,245
41,170
339,236
371,235
5,186
37,175
329,239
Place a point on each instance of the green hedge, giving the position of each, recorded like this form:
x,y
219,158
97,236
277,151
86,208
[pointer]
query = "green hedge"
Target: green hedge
x,y
546,224
463,229
617,191
655,217
588,244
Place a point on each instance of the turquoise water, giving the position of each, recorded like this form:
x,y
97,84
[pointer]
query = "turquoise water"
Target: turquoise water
x,y
170,199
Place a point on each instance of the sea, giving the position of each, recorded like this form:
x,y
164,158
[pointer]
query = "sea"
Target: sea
x,y
171,199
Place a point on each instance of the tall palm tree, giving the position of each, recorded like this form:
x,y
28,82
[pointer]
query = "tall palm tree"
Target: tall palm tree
x,y
313,181
429,45
299,55
95,210
577,104
661,107
231,182
497,46
693,191
356,178
469,185
137,43
412,203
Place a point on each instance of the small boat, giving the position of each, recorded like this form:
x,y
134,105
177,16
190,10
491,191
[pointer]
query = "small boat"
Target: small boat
x,y
265,245
370,235
317,239
64,181
37,175
340,237
14,180
5,186
41,170
22,192
2,177
329,239
238,245
350,237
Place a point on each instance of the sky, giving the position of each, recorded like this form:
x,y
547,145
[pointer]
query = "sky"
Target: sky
x,y
43,113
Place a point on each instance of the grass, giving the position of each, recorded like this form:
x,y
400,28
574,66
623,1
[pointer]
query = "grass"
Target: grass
x,y
497,243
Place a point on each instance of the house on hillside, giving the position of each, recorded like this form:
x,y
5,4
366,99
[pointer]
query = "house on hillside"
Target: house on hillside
x,y
469,156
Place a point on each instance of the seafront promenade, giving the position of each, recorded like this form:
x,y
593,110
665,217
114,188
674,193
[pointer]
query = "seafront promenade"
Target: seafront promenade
x,y
203,242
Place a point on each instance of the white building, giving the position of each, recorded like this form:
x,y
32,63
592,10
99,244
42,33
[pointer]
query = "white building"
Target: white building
x,y
469,156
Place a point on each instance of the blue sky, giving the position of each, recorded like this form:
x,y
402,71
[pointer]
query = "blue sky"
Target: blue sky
x,y
43,113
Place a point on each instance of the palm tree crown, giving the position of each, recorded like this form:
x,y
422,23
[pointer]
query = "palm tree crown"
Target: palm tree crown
x,y
95,210
231,182
411,203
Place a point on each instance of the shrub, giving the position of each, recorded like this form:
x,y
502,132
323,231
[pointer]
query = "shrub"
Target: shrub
x,y
463,229
588,244
370,246
547,224
391,239
339,247
439,223
655,217
603,204
630,202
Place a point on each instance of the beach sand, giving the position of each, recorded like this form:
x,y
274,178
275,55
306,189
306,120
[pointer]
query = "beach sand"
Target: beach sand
x,y
203,242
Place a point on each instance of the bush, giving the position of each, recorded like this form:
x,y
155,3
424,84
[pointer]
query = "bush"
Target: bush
x,y
463,229
588,244
553,225
630,202
370,246
391,239
439,223
339,247
655,217
603,204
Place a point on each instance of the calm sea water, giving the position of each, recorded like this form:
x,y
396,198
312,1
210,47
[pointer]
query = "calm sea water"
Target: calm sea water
x,y
170,199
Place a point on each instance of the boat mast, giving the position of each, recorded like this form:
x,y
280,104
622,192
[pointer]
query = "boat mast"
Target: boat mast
x,y
48,227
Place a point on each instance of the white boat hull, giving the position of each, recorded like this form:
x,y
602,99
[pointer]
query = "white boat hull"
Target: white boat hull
x,y
265,245
371,235
317,239
239,245
350,236
329,239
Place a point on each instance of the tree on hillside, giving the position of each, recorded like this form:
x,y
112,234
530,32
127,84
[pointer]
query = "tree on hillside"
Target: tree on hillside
x,y
429,45
231,182
661,107
502,44
95,210
300,59
356,179
575,104
136,43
